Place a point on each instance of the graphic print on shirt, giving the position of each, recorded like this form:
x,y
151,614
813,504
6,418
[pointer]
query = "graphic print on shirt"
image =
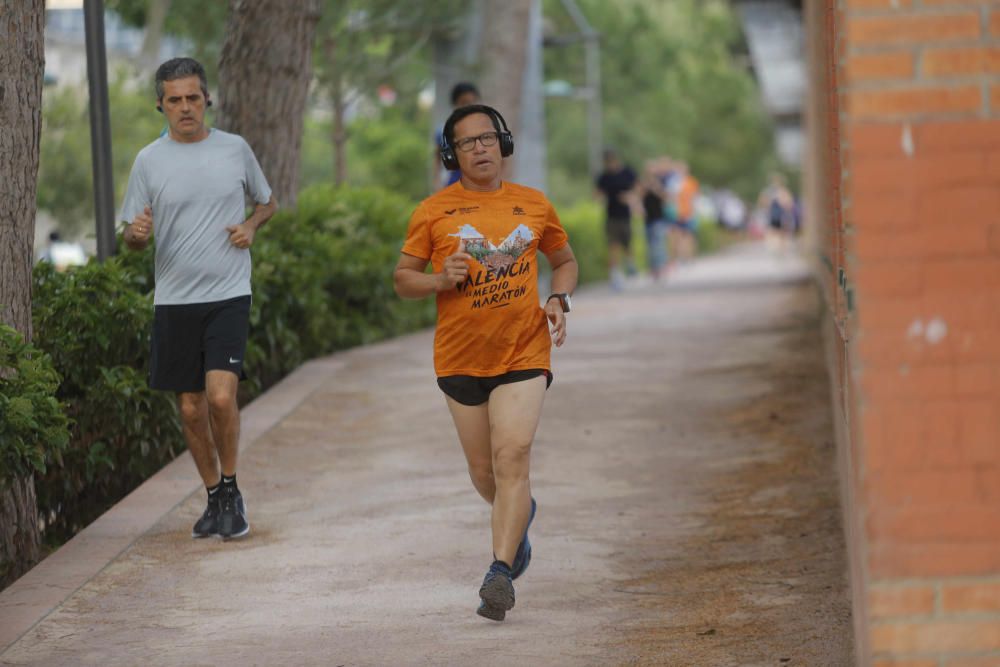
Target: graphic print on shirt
x,y
503,272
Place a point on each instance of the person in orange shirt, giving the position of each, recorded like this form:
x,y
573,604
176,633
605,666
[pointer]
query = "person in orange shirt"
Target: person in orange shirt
x,y
493,340
683,239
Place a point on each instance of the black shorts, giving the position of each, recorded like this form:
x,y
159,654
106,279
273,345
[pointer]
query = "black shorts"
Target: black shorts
x,y
471,390
191,339
619,230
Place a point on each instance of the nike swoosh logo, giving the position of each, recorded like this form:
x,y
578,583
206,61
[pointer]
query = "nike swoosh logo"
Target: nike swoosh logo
x,y
233,361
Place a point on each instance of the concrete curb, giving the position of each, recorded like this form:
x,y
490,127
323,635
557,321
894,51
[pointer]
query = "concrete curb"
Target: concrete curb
x,y
46,586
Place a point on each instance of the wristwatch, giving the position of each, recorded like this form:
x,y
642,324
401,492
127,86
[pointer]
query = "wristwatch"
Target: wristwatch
x,y
563,300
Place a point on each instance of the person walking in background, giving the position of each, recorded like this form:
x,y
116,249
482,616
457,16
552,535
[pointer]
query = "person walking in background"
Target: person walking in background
x,y
493,341
617,185
462,94
190,187
654,199
778,207
683,191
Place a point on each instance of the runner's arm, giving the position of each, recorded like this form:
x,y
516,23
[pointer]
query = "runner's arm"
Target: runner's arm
x,y
565,270
411,281
262,213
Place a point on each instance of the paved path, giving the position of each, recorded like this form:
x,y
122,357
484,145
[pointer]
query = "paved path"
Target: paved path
x,y
687,509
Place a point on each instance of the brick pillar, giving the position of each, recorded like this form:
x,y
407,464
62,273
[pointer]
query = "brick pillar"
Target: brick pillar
x,y
911,260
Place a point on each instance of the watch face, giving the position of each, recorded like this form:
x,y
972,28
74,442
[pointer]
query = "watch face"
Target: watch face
x,y
567,304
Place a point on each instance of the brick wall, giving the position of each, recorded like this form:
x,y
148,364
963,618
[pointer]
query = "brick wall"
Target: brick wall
x,y
905,187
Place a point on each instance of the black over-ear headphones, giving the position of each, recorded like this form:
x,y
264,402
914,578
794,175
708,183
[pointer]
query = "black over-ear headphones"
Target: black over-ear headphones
x,y
448,157
208,103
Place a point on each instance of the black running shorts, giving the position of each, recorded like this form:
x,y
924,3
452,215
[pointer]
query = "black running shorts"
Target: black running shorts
x,y
191,339
471,390
619,231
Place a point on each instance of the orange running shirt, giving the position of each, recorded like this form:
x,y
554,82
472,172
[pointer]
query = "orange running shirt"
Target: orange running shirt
x,y
493,323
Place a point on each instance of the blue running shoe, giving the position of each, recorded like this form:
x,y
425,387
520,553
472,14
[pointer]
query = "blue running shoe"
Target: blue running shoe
x,y
496,593
523,556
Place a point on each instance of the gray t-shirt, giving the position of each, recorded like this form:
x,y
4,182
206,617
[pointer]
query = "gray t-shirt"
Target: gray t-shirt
x,y
195,191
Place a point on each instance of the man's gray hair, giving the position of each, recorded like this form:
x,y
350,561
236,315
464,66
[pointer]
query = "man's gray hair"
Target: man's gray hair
x,y
180,68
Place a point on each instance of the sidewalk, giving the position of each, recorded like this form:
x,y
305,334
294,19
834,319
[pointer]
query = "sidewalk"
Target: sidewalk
x,y
687,509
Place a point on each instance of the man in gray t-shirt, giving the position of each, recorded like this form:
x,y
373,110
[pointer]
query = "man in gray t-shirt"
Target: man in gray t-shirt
x,y
190,186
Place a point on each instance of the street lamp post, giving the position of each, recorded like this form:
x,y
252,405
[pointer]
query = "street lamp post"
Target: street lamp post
x,y
100,127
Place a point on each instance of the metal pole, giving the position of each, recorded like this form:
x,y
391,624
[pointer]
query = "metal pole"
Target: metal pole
x,y
592,65
100,127
594,115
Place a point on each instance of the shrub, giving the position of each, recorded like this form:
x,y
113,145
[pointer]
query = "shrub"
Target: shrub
x,y
95,325
322,280
584,223
34,431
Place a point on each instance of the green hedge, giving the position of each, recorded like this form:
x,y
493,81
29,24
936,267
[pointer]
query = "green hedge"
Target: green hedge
x,y
34,430
323,280
94,322
585,225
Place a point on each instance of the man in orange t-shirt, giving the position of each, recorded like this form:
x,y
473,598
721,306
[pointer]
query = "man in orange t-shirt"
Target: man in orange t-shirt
x,y
492,343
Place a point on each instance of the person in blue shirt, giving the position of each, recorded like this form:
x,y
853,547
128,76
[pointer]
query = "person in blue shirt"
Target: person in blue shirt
x,y
462,94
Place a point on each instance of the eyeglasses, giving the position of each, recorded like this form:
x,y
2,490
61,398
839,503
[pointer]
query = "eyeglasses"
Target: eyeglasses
x,y
468,143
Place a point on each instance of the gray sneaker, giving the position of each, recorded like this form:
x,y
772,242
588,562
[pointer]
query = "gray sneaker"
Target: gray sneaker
x,y
233,515
496,594
208,524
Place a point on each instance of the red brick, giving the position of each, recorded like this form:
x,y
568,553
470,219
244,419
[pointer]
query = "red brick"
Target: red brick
x,y
975,346
877,66
950,136
878,4
995,99
973,662
908,383
995,23
904,662
936,242
887,559
972,275
970,597
973,380
931,636
935,523
867,138
889,279
882,349
953,61
869,210
895,315
900,600
950,204
979,431
908,176
892,445
955,486
912,28
960,312
993,164
915,100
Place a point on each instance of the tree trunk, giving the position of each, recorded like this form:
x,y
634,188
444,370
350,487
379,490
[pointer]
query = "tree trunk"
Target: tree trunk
x,y
264,75
22,64
19,538
153,35
339,138
504,57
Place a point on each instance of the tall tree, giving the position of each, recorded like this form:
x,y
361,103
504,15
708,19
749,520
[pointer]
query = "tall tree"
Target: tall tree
x,y
504,57
362,44
264,76
22,64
